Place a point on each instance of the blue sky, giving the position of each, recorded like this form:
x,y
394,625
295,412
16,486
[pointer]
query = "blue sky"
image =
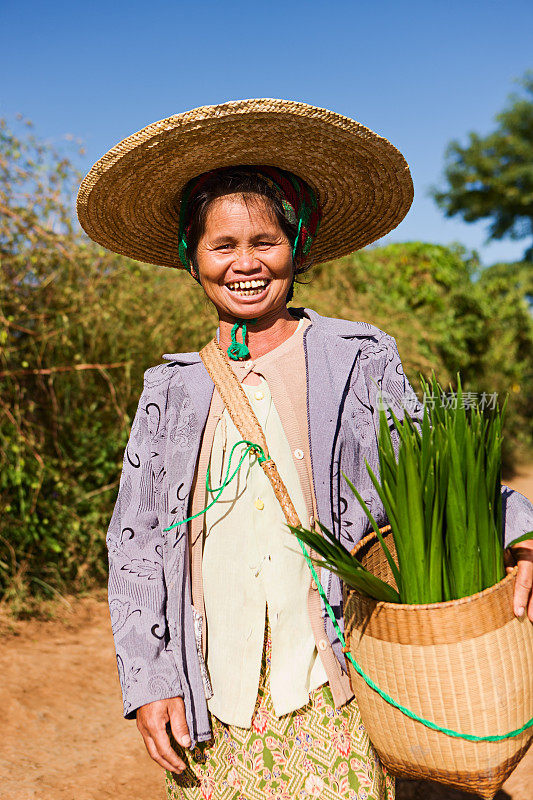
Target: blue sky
x,y
419,73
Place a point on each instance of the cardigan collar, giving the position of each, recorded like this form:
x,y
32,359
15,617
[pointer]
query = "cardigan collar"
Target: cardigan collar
x,y
331,349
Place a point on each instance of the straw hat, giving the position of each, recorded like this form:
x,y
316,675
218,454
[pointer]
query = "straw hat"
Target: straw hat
x,y
129,201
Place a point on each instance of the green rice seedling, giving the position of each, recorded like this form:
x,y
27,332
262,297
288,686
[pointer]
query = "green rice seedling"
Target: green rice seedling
x,y
441,491
343,564
472,521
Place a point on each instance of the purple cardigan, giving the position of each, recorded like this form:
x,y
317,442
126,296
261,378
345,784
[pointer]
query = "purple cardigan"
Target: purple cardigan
x,y
149,581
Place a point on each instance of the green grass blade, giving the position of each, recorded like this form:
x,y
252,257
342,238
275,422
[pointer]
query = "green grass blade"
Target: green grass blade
x,y
456,522
348,568
436,541
388,556
475,525
487,536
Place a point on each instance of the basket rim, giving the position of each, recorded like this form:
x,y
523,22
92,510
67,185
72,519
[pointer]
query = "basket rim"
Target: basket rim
x,y
385,604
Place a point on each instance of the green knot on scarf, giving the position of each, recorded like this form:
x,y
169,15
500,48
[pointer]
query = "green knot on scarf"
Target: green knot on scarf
x,y
237,351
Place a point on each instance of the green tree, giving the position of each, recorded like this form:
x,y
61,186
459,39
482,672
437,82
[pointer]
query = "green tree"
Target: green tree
x,y
492,176
447,313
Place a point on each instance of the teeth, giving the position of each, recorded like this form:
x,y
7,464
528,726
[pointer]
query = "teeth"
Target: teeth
x,y
241,286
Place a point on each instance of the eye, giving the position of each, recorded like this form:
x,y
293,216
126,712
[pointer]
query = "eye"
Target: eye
x,y
223,246
264,244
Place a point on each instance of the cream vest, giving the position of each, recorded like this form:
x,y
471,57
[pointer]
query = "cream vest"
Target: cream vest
x,y
251,562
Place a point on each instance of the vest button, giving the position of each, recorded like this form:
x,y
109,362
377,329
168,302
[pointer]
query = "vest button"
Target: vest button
x,y
314,586
259,395
259,504
299,454
322,645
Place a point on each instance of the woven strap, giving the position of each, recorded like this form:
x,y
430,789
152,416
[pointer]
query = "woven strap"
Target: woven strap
x,y
244,419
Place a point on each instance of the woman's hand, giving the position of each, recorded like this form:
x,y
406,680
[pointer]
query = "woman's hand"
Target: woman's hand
x,y
523,595
152,720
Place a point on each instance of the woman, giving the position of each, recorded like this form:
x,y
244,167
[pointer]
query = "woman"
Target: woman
x,y
225,655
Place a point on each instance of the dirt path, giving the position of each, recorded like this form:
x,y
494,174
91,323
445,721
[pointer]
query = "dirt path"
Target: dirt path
x,y
63,736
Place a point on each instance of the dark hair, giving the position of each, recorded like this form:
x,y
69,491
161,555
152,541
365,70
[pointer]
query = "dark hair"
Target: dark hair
x,y
243,180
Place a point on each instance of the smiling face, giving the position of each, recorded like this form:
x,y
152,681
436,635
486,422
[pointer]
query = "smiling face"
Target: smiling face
x,y
244,258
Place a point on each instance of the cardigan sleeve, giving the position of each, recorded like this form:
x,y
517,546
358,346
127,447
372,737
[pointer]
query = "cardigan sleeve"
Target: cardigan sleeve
x,y
393,392
398,394
137,591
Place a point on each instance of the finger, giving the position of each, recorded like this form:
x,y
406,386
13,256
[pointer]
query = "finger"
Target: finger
x,y
523,551
508,558
165,749
522,591
153,731
173,763
178,722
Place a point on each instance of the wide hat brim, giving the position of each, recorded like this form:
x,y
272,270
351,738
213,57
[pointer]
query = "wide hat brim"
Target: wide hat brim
x,y
129,201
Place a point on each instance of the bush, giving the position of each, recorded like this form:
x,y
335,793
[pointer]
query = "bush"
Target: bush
x,y
80,325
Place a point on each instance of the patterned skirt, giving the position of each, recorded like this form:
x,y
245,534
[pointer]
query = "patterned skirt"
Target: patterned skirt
x,y
315,751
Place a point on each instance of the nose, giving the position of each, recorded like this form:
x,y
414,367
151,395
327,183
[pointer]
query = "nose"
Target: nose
x,y
245,261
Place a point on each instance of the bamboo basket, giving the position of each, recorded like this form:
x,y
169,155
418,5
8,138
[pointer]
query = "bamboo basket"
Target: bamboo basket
x,y
466,665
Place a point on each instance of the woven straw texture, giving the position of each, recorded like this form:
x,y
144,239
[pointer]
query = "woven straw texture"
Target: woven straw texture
x,y
129,201
466,665
244,419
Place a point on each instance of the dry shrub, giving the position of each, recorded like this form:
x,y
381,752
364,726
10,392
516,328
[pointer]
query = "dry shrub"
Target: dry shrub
x,y
80,325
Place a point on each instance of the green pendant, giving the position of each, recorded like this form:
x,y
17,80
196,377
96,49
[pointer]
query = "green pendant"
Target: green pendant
x,y
238,351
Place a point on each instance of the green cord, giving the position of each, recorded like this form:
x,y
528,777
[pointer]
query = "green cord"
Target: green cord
x,y
295,245
469,737
237,350
250,447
